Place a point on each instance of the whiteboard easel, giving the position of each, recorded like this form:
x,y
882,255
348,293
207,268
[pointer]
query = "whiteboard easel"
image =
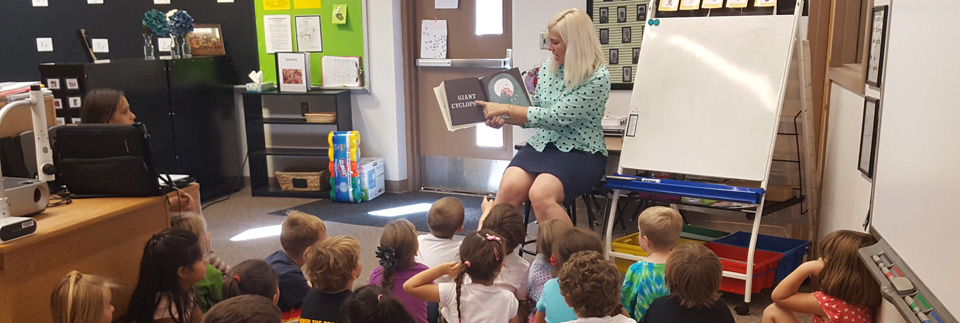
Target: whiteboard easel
x,y
706,101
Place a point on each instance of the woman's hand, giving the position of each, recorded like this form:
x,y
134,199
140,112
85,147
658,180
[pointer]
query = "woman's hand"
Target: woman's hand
x,y
492,109
495,122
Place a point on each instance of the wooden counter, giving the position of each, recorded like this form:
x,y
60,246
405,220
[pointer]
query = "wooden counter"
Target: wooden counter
x,y
101,236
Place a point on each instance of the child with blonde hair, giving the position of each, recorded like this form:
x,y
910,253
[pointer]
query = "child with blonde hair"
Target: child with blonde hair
x,y
331,266
590,283
541,270
398,246
171,264
80,298
552,308
659,230
848,292
693,274
481,258
209,289
298,232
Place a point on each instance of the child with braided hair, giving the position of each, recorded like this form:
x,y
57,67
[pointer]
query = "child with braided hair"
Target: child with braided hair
x,y
481,258
398,246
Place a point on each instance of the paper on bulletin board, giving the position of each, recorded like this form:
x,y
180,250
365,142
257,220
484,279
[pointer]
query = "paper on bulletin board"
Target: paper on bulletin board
x,y
669,5
339,14
433,39
276,4
689,4
712,4
277,33
446,4
306,4
309,36
341,71
766,3
736,3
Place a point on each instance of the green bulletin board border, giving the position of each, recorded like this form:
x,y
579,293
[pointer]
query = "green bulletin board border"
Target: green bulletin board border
x,y
338,40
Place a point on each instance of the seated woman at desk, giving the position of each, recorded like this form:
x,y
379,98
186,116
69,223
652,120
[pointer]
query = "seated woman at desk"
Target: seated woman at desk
x,y
111,107
567,156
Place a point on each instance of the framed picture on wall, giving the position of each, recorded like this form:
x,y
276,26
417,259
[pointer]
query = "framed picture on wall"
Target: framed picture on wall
x,y
868,136
619,25
206,40
878,32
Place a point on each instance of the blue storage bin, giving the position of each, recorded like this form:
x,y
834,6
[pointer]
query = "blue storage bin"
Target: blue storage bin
x,y
792,249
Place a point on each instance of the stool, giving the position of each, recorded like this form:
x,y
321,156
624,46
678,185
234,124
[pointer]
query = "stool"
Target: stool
x,y
571,211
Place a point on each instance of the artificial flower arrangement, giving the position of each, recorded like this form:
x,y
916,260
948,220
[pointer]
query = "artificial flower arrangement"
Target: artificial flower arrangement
x,y
155,22
181,23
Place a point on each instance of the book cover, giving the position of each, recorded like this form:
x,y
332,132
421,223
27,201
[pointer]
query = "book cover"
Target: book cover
x,y
457,97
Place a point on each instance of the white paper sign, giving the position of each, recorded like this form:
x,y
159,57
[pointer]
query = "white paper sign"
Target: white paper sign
x,y
163,44
309,36
224,1
161,1
433,39
446,4
736,3
94,1
74,101
294,73
40,3
277,33
340,71
712,4
45,44
100,45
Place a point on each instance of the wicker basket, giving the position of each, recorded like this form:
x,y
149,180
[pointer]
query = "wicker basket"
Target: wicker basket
x,y
303,181
321,117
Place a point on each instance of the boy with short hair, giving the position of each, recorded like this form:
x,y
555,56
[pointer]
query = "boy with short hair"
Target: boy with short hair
x,y
442,245
244,309
298,232
589,283
660,228
693,273
331,266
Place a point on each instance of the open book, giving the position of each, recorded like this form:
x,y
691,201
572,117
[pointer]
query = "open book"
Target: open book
x,y
456,97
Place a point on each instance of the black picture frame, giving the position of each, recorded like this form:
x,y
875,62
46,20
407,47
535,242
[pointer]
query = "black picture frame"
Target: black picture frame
x,y
629,18
614,56
868,136
604,15
877,46
604,36
641,12
626,35
628,74
621,14
636,55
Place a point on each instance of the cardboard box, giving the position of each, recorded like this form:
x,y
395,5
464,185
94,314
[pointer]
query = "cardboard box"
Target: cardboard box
x,y
371,177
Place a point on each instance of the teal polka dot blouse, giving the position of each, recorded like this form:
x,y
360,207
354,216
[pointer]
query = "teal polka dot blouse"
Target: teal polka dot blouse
x,y
569,119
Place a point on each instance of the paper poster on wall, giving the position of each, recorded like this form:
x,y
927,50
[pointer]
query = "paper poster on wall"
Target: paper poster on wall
x,y
293,71
309,37
339,14
433,39
341,71
306,4
277,33
100,45
670,5
446,4
736,3
712,4
766,3
276,4
689,4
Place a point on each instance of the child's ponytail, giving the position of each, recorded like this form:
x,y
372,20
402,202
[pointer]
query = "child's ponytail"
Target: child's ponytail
x,y
459,281
398,247
482,254
252,276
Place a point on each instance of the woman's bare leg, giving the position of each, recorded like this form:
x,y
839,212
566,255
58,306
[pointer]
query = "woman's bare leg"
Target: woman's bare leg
x,y
547,196
514,186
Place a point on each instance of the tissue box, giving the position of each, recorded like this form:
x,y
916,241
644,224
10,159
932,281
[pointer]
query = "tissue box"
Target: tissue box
x,y
262,87
371,177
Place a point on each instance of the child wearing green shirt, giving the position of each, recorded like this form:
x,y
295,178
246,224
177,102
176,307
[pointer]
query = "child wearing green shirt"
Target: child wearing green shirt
x,y
660,229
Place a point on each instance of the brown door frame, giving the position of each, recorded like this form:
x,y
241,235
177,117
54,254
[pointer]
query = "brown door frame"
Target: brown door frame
x,y
408,30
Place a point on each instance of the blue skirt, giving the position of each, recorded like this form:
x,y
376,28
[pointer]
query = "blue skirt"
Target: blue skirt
x,y
579,171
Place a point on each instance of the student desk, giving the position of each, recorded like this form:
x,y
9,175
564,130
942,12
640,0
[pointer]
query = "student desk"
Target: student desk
x,y
100,236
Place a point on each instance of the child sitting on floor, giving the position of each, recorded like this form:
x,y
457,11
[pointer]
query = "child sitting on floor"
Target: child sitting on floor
x,y
589,283
398,245
298,231
660,228
80,298
693,274
331,266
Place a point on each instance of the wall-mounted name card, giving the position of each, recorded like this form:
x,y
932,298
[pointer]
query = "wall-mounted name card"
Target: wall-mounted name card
x,y
670,5
94,1
100,45
163,44
224,1
161,1
736,3
44,44
40,3
766,3
712,4
689,4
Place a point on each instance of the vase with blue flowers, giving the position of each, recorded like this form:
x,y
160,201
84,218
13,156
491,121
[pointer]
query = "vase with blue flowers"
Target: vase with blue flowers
x,y
181,23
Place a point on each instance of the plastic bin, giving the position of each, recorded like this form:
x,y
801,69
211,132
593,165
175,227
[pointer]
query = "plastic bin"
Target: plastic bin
x,y
734,259
631,245
702,234
792,249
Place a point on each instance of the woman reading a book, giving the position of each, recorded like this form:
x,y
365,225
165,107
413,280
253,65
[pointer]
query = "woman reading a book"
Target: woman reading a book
x,y
567,156
111,107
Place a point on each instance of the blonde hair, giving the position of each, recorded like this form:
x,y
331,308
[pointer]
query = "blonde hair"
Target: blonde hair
x,y
584,55
693,273
193,222
300,231
548,234
445,217
661,225
844,276
329,265
79,298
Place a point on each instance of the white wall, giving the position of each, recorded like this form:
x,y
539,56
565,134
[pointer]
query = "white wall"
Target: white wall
x,y
379,116
846,191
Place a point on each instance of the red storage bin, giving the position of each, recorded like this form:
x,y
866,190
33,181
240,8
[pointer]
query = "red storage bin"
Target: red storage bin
x,y
734,259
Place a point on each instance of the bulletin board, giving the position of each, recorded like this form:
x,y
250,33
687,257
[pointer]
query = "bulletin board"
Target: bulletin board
x,y
348,39
619,25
